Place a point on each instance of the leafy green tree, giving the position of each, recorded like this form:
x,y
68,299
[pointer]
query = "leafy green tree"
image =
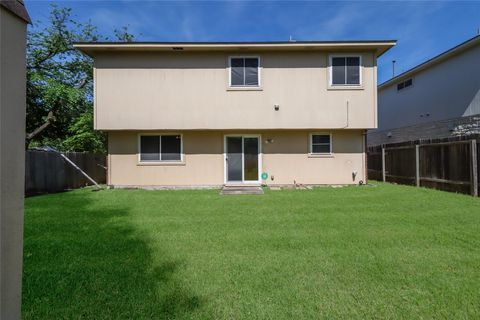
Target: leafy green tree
x,y
82,137
60,79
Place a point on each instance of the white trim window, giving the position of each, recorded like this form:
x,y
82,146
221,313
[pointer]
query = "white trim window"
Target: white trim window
x,y
405,84
346,70
160,148
320,143
244,71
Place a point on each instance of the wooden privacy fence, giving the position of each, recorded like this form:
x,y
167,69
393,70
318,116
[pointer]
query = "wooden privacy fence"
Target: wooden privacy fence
x,y
446,164
47,172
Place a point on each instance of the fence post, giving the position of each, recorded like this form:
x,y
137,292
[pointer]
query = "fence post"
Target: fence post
x,y
474,171
383,164
417,165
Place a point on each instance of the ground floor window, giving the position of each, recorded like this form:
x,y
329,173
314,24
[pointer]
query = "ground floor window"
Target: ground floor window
x,y
166,147
321,143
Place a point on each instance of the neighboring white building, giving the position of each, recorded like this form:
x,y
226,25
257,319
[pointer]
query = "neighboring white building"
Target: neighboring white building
x,y
436,99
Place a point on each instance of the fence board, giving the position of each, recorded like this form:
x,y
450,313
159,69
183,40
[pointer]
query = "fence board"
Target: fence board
x,y
474,168
47,172
478,165
400,165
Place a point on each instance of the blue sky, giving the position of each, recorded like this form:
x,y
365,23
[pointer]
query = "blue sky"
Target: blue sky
x,y
423,29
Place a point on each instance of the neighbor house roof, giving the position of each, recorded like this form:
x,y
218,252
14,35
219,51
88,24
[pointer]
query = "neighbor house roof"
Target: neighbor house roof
x,y
91,48
433,61
17,8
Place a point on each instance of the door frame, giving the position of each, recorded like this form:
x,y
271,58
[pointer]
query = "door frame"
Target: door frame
x,y
260,156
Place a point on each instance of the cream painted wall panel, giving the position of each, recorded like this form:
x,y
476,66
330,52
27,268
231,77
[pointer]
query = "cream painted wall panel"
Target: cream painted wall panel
x,y
286,158
188,90
203,157
12,160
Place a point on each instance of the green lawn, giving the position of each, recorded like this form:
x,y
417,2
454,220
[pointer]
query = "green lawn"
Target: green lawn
x,y
356,252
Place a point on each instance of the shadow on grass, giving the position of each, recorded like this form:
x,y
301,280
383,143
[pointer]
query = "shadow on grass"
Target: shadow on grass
x,y
85,260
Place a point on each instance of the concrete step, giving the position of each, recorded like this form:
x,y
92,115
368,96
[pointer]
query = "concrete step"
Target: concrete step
x,y
229,190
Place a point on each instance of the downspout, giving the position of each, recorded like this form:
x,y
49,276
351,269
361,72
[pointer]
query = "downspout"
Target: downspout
x,y
109,165
364,144
347,120
365,156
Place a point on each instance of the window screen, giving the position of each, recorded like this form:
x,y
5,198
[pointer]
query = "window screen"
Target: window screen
x,y
237,70
353,70
338,70
149,148
321,143
345,71
161,148
171,149
244,72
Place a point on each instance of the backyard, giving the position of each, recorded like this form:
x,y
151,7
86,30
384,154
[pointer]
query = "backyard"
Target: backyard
x,y
383,251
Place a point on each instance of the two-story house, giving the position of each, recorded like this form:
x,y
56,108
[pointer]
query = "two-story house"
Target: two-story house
x,y
213,114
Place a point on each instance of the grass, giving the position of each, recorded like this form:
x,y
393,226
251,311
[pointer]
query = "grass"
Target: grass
x,y
356,252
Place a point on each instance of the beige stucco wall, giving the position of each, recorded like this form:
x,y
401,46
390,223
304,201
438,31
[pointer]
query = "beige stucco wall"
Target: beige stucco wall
x,y
286,159
189,90
12,159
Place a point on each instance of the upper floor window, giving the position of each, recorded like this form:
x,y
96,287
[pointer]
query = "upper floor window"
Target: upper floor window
x,y
320,143
404,84
345,71
244,71
154,148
